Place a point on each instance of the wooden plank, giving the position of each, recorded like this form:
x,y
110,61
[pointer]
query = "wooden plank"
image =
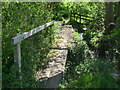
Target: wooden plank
x,y
25,35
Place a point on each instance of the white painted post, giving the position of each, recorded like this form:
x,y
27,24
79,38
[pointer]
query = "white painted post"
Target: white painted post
x,y
18,57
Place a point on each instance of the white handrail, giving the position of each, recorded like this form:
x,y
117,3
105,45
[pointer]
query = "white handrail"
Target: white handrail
x,y
17,39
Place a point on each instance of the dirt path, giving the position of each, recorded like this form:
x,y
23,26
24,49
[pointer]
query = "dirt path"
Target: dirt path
x,y
57,57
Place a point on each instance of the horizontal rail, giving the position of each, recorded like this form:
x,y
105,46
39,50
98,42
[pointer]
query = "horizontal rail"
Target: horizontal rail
x,y
25,35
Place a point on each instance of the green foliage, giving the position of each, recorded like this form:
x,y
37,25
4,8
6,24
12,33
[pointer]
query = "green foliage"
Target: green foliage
x,y
61,11
94,66
19,17
85,72
82,82
114,42
94,81
81,70
77,53
90,15
94,73
80,47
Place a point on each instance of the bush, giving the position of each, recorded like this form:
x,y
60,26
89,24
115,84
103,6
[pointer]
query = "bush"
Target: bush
x,y
83,72
93,66
94,73
19,17
76,54
94,81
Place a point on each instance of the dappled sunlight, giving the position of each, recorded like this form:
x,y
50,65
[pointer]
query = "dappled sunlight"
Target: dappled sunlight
x,y
61,44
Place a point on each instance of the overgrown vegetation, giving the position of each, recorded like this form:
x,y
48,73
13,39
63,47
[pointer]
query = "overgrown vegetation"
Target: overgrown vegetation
x,y
16,19
92,60
85,72
96,70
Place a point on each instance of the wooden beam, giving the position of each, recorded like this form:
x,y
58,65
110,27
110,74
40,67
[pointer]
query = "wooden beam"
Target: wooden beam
x,y
25,35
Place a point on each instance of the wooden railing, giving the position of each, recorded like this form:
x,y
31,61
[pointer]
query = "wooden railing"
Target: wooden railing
x,y
17,40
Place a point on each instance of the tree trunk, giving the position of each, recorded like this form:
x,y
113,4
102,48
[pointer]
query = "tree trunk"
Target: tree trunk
x,y
109,18
117,10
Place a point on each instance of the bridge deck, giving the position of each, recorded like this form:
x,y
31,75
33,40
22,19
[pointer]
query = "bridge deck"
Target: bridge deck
x,y
51,76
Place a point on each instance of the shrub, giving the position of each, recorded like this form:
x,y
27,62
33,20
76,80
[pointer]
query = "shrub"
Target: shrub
x,y
19,17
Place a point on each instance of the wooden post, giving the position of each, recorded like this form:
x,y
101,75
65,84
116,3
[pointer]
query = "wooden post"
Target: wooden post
x,y
17,58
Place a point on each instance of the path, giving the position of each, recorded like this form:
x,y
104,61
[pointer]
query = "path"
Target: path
x,y
51,76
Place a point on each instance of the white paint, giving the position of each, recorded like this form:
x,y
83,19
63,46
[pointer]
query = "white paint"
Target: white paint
x,y
19,58
25,35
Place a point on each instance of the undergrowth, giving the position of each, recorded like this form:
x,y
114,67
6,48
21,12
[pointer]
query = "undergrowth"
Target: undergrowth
x,y
85,72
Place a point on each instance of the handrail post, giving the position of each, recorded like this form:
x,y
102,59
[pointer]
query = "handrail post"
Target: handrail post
x,y
17,58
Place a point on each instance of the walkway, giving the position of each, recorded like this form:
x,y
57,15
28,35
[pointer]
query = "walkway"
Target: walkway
x,y
51,76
